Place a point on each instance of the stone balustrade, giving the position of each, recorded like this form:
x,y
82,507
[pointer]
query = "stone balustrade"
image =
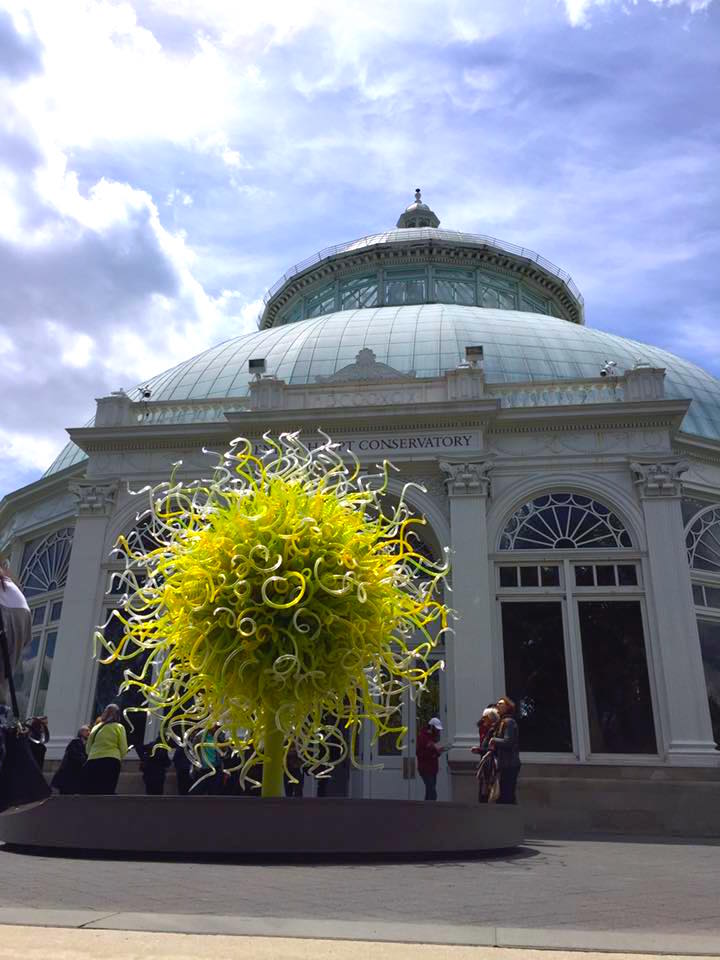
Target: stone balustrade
x,y
557,393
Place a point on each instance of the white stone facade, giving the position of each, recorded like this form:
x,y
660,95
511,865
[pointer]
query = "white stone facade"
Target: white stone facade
x,y
480,460
576,483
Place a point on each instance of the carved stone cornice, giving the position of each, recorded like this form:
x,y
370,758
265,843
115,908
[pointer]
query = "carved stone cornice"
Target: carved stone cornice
x,y
467,479
94,499
659,479
365,368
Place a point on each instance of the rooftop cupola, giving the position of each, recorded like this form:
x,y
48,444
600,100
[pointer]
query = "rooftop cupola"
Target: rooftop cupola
x,y
418,214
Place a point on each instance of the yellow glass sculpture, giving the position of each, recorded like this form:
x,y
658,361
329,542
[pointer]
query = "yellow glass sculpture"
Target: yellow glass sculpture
x,y
282,600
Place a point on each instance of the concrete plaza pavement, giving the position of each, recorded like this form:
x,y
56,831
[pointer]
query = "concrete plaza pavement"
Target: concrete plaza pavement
x,y
589,894
60,944
588,884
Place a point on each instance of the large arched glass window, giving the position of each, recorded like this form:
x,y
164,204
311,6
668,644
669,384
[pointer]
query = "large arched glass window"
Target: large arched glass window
x,y
110,676
702,539
571,605
43,575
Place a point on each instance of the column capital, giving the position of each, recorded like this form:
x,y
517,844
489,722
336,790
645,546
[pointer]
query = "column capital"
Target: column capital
x,y
659,478
94,499
467,478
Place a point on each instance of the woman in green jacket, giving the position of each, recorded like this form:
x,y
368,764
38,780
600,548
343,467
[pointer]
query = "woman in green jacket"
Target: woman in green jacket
x,y
106,749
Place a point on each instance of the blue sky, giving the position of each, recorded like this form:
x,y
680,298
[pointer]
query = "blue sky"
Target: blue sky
x,y
163,162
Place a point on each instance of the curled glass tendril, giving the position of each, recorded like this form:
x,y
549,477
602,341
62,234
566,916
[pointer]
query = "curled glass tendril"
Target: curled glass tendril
x,y
280,604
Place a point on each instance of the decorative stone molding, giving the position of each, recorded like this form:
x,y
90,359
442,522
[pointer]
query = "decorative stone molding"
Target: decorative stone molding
x,y
365,367
645,383
267,393
659,479
94,499
465,383
467,479
559,393
115,410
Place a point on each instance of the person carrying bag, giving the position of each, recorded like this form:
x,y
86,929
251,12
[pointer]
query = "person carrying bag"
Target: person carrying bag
x,y
21,780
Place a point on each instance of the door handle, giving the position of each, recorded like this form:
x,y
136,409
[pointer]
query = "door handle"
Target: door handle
x,y
409,772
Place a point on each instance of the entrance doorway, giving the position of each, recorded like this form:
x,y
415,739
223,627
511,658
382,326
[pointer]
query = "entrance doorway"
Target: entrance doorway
x,y
391,768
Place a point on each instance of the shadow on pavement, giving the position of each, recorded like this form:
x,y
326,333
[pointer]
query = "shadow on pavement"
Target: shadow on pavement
x,y
512,855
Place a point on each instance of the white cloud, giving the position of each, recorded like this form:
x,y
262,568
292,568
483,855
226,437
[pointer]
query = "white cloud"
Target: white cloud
x,y
578,10
162,162
27,449
112,81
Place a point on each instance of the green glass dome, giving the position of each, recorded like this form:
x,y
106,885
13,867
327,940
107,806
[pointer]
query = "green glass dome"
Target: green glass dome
x,y
429,339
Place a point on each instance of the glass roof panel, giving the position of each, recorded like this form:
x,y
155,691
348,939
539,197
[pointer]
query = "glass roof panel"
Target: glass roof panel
x,y
430,338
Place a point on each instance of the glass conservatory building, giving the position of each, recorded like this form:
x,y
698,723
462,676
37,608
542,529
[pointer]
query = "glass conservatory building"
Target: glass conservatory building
x,y
574,474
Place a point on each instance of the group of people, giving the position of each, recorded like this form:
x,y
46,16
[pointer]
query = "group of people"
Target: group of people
x,y
93,759
498,749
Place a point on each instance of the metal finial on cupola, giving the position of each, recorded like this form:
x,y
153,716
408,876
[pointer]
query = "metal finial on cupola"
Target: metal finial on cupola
x,y
418,214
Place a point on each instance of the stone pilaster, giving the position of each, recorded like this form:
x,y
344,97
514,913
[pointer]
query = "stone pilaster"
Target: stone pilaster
x,y
69,694
470,650
676,646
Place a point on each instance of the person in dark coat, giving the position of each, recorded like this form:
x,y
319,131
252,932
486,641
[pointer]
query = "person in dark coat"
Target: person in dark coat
x,y
38,736
183,767
154,767
506,746
67,776
487,772
427,751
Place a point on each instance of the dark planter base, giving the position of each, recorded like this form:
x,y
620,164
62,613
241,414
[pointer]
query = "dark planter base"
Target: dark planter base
x,y
237,826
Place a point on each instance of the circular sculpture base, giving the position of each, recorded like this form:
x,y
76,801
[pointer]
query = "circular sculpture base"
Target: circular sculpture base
x,y
227,826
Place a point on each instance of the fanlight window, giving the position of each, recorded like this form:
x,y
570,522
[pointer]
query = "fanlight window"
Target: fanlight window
x,y
46,562
562,521
703,541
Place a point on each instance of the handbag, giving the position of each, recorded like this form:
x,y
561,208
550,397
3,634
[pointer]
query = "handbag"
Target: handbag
x,y
21,780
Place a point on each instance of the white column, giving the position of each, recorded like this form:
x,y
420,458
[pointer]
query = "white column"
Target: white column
x,y
72,670
470,650
676,646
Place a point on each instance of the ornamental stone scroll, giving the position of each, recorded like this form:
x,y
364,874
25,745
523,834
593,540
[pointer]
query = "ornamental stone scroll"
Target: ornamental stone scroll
x,y
659,479
469,479
94,499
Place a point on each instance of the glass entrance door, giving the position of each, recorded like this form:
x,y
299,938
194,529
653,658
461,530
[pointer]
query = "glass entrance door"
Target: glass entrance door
x,y
396,777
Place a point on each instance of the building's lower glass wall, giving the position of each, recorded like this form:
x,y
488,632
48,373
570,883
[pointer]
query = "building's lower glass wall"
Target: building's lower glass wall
x,y
617,686
43,576
710,646
536,673
107,686
702,539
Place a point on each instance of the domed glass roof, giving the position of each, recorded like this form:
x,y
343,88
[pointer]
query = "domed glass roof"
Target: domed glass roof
x,y
429,339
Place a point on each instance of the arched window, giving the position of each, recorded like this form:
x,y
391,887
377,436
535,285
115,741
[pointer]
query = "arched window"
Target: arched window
x,y
585,607
562,521
43,575
702,539
46,562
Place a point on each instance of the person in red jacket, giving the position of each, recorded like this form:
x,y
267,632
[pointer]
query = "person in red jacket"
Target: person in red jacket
x,y
428,752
